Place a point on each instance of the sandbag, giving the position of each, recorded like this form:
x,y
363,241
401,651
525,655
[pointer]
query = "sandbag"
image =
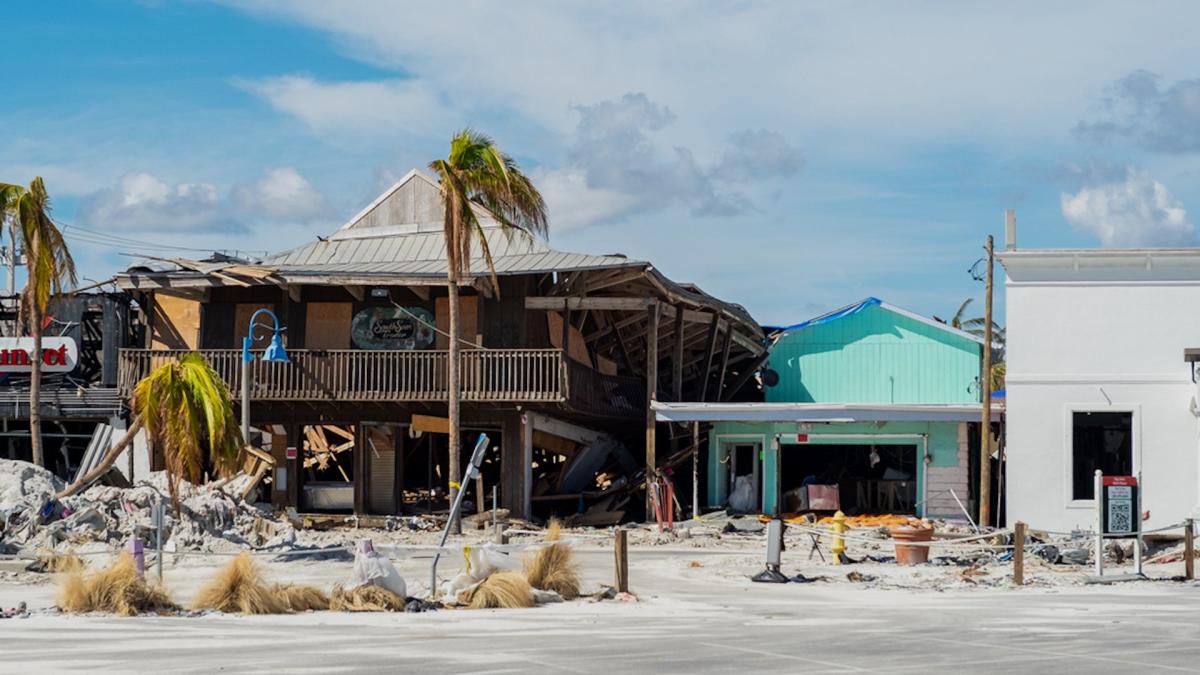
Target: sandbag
x,y
372,568
742,498
483,561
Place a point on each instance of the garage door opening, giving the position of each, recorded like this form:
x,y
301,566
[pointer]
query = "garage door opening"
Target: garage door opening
x,y
869,478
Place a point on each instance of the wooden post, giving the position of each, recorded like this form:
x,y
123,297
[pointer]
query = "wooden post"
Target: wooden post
x,y
621,550
480,508
1019,531
1189,549
677,357
985,388
709,350
651,396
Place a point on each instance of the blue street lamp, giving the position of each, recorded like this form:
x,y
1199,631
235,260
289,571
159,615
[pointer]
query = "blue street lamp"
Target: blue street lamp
x,y
275,353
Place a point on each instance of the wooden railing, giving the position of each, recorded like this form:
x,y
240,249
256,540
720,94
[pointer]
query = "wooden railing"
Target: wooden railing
x,y
607,395
492,375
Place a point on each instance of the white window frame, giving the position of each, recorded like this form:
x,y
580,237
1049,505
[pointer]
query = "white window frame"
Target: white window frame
x,y
1069,410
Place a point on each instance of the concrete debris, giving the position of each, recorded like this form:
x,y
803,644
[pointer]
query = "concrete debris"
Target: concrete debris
x,y
1075,556
212,518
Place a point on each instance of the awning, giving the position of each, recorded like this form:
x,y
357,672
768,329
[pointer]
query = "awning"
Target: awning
x,y
819,412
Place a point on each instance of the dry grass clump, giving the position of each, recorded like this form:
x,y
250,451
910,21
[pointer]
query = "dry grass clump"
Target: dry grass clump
x,y
302,598
553,568
502,590
238,587
62,562
117,588
365,599
554,529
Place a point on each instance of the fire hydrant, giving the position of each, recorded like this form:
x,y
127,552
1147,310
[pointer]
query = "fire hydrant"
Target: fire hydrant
x,y
839,542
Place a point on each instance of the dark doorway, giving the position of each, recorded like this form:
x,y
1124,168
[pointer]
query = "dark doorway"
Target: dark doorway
x,y
880,478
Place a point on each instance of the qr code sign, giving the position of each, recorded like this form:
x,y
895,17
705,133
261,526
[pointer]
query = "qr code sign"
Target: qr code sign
x,y
1120,516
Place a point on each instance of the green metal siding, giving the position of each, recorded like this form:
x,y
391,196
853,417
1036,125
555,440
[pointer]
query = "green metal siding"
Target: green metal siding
x,y
874,356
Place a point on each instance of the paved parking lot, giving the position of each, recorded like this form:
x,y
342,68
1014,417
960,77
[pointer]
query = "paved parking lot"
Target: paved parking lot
x,y
686,623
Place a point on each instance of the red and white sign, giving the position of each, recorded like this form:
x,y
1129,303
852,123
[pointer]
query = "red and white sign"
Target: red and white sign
x,y
59,355
1120,480
801,438
291,453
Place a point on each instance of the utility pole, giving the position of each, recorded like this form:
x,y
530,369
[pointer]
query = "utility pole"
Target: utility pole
x,y
985,388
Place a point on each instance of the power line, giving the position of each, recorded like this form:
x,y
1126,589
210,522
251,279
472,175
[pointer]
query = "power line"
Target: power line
x,y
101,238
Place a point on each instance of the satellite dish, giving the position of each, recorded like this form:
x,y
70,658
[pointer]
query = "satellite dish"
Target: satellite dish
x,y
770,378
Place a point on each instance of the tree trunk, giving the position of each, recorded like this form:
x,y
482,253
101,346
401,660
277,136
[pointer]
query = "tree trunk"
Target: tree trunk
x,y
452,403
106,463
35,383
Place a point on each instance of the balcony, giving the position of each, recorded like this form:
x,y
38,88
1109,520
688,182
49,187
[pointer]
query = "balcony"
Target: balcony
x,y
488,376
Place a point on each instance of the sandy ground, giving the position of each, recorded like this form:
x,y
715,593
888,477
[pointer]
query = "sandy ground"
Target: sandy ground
x,y
698,613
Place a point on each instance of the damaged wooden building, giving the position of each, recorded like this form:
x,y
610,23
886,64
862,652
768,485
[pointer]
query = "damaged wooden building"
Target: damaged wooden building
x,y
559,362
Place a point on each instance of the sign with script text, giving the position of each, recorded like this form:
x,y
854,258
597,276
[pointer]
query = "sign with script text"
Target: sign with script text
x,y
59,355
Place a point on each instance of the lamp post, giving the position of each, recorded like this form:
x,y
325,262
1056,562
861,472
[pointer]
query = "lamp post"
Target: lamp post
x,y
274,353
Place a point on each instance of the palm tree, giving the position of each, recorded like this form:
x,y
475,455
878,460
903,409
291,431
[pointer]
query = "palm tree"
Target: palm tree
x,y
478,179
50,270
185,408
976,327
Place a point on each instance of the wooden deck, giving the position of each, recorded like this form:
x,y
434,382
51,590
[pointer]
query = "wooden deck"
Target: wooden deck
x,y
488,375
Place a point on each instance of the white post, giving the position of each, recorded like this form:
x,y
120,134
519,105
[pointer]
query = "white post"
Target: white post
x,y
1137,517
159,517
695,470
1099,523
246,402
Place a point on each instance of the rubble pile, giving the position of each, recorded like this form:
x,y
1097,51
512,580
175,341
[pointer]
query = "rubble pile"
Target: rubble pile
x,y
211,517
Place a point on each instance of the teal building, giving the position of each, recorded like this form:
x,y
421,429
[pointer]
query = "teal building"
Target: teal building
x,y
872,400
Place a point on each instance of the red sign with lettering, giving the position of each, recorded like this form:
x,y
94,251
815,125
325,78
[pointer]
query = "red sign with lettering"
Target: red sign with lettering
x,y
1120,480
801,438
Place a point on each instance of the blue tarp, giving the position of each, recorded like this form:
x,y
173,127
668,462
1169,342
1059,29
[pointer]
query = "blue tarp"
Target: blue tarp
x,y
834,315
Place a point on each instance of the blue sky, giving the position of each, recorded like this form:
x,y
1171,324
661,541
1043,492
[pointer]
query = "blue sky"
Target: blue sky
x,y
791,157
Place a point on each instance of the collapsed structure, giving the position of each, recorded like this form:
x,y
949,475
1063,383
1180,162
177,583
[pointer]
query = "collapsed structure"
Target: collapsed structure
x,y
558,366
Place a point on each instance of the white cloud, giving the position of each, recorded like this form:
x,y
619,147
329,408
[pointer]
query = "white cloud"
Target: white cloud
x,y
614,167
357,109
572,204
282,194
142,202
1136,211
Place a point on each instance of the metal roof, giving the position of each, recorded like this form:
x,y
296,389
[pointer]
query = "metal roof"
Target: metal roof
x,y
424,254
876,302
818,412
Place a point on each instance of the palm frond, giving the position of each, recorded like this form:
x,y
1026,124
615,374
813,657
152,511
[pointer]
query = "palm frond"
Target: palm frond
x,y
188,415
49,265
477,174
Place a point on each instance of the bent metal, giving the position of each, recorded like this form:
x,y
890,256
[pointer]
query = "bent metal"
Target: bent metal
x,y
59,354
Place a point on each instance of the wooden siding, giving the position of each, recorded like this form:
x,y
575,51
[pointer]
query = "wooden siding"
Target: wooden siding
x,y
175,323
874,356
327,325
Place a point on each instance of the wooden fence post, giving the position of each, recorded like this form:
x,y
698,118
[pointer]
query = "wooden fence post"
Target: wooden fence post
x,y
1019,553
621,549
1189,549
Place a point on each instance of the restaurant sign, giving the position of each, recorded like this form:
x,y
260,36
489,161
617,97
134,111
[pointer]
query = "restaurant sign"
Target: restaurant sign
x,y
393,328
59,355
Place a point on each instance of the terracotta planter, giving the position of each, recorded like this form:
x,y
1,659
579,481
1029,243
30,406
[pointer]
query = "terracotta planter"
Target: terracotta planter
x,y
908,554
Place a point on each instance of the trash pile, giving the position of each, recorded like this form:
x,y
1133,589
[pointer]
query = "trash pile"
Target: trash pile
x,y
211,517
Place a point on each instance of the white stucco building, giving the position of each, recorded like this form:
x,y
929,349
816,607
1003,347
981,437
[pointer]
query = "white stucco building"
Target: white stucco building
x,y
1097,379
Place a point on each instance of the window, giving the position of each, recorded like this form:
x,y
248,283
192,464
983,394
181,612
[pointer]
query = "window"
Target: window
x,y
1099,440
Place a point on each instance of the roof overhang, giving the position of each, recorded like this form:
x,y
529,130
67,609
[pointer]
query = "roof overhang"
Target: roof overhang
x,y
1107,265
818,412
